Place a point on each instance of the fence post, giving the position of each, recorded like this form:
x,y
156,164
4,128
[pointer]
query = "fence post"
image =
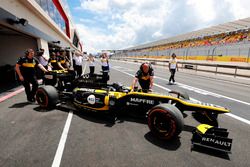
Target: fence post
x,y
216,69
235,71
248,55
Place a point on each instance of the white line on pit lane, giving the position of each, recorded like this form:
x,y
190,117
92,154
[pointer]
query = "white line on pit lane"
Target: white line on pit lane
x,y
228,114
122,68
162,67
205,92
60,148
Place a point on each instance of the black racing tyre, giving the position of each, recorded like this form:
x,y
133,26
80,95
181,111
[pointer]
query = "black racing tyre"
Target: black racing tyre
x,y
165,121
47,96
181,94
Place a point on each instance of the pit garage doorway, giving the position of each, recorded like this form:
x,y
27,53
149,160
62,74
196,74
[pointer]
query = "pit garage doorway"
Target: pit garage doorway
x,y
12,45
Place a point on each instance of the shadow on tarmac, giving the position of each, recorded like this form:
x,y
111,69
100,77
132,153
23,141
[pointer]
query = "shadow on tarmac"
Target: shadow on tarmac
x,y
110,120
211,152
20,105
171,145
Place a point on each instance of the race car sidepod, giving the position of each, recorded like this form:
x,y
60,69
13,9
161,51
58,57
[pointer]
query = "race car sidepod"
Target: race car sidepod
x,y
211,137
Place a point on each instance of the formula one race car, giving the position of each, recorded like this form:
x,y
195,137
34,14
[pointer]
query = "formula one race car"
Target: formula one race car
x,y
164,111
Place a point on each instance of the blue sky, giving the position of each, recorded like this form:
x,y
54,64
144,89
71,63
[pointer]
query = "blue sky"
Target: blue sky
x,y
119,24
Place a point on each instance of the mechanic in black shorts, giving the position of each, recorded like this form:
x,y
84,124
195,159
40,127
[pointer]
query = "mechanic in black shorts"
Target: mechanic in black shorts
x,y
145,77
25,68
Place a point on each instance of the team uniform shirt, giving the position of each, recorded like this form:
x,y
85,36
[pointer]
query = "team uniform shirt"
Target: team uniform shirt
x,y
173,63
54,63
144,79
62,60
27,66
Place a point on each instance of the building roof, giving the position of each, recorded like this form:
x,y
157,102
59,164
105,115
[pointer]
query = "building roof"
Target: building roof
x,y
242,24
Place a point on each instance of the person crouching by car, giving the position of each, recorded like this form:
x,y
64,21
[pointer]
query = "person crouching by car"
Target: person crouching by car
x,y
25,68
145,77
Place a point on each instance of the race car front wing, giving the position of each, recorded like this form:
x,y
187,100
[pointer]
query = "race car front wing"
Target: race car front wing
x,y
211,137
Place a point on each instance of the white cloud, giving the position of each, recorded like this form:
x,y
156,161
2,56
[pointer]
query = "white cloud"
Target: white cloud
x,y
239,8
118,24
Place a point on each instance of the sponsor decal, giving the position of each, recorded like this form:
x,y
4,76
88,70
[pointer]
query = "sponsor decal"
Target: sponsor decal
x,y
131,104
91,99
48,76
216,141
87,90
144,101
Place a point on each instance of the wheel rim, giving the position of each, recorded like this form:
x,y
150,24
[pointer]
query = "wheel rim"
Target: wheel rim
x,y
163,124
42,98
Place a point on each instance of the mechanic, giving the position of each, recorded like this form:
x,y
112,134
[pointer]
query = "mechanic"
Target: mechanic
x,y
173,66
63,59
145,77
25,68
54,62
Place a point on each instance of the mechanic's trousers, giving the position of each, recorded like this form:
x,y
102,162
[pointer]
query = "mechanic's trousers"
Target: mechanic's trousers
x,y
91,69
30,93
172,75
78,70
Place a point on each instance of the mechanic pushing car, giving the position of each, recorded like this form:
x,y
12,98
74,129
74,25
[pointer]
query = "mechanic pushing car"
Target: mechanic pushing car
x,y
54,62
25,68
145,77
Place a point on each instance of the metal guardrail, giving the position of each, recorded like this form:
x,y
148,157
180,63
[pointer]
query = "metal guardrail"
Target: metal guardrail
x,y
234,70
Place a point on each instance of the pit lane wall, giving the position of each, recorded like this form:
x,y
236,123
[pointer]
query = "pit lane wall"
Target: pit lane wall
x,y
239,53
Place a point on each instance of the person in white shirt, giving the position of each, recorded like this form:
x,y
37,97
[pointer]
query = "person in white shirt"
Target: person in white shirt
x,y
43,60
77,62
105,62
173,66
91,62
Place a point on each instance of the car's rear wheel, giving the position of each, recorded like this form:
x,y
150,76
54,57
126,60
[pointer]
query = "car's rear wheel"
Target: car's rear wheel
x,y
165,121
47,96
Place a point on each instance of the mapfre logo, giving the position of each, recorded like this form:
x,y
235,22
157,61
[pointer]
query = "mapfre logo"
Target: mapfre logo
x,y
144,101
91,99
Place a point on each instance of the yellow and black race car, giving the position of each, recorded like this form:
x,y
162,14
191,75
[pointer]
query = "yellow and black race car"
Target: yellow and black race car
x,y
164,112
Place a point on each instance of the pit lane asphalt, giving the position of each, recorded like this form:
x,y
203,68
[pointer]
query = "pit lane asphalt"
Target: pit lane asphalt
x,y
29,136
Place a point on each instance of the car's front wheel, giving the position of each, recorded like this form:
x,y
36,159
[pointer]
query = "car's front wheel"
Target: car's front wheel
x,y
165,121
